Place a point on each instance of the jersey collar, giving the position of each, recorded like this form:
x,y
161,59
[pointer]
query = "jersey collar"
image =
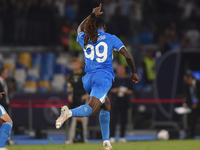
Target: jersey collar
x,y
100,30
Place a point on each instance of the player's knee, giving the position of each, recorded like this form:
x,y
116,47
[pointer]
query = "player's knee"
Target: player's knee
x,y
11,121
107,105
109,108
5,118
8,119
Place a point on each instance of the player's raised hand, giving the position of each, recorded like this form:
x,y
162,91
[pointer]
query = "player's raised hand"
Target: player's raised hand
x,y
135,77
97,10
1,94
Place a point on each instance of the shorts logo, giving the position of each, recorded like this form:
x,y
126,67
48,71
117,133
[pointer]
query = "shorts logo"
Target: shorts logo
x,y
85,109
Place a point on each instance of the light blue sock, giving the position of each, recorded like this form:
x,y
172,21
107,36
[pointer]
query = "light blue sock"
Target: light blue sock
x,y
82,111
104,119
5,133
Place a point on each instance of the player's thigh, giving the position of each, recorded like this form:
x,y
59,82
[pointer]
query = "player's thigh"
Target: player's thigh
x,y
87,83
106,106
95,104
102,83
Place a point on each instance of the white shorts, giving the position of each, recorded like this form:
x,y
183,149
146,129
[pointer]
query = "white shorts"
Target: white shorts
x,y
2,111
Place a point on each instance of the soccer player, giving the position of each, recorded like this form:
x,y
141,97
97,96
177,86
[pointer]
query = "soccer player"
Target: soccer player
x,y
6,127
98,53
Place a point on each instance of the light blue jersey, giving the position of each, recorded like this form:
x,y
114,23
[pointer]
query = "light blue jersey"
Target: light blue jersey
x,y
98,56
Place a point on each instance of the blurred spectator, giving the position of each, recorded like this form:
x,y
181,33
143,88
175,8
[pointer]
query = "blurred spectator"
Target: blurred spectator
x,y
5,102
149,67
125,6
186,42
60,4
165,39
38,22
135,38
174,29
70,10
194,36
12,87
74,46
121,90
109,7
136,13
192,100
77,96
65,34
146,35
188,7
119,28
163,45
175,43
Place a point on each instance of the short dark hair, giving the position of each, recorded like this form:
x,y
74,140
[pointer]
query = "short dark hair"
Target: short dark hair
x,y
2,69
100,22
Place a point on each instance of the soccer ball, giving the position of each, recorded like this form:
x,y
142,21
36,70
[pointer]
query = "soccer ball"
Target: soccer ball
x,y
163,135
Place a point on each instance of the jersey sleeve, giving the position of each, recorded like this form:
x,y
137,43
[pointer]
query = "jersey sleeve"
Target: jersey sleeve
x,y
117,43
80,38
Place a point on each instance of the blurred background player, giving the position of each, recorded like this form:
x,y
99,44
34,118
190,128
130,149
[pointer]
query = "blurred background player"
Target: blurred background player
x,y
3,87
149,67
5,102
6,127
98,49
192,100
121,90
77,96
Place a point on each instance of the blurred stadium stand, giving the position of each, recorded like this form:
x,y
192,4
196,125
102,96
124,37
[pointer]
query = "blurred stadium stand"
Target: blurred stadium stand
x,y
37,71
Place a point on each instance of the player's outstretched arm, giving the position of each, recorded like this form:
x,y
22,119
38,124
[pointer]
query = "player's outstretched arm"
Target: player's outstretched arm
x,y
96,11
82,25
131,63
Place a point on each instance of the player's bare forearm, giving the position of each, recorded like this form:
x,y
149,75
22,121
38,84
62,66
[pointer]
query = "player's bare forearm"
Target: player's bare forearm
x,y
131,63
129,59
82,26
96,11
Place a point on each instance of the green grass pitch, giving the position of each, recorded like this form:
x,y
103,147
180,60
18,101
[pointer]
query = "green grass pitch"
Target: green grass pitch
x,y
145,145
